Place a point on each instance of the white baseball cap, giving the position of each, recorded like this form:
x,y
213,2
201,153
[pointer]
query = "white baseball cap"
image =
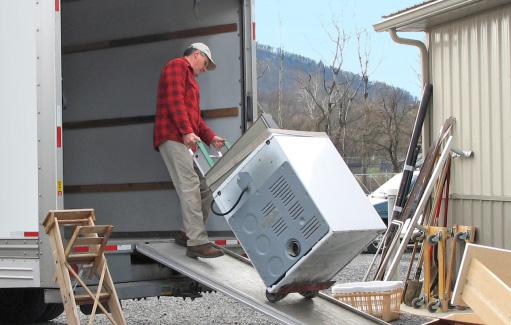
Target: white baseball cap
x,y
205,49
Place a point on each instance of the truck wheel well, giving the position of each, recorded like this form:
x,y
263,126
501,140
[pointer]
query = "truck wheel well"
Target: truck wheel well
x,y
52,311
24,305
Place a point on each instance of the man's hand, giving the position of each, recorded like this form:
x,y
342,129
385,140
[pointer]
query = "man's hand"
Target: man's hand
x,y
190,140
217,142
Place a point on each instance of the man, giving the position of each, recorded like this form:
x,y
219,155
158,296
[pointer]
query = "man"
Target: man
x,y
178,127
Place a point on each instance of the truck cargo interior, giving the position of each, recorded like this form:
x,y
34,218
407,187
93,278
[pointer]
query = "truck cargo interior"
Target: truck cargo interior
x,y
112,55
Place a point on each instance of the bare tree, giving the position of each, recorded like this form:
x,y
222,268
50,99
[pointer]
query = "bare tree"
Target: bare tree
x,y
330,92
391,125
280,52
281,76
312,97
262,68
364,51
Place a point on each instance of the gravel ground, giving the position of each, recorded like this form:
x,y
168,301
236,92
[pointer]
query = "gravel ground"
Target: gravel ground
x,y
212,308
217,308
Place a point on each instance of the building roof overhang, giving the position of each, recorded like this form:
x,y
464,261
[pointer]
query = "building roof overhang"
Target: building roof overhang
x,y
433,13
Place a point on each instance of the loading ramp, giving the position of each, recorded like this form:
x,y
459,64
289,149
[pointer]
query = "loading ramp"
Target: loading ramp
x,y
233,276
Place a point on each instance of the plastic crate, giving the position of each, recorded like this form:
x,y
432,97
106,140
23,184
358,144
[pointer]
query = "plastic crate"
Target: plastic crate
x,y
381,299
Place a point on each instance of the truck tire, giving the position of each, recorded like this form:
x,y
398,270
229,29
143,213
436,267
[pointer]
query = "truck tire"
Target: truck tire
x,y
21,306
52,311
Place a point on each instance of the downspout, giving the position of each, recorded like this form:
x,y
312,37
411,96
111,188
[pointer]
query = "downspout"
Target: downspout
x,y
425,79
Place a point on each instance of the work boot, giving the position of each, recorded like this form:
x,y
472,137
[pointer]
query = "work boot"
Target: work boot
x,y
181,239
204,250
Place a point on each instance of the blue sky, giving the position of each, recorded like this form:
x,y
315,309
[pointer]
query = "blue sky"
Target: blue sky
x,y
302,27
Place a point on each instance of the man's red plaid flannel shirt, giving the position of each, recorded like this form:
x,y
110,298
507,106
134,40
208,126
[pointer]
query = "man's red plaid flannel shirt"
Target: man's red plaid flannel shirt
x,y
178,105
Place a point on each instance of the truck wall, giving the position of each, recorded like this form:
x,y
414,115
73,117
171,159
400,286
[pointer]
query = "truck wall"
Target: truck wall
x,y
18,118
106,167
112,55
29,65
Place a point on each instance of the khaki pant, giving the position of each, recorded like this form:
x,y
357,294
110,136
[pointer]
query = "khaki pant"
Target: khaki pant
x,y
194,196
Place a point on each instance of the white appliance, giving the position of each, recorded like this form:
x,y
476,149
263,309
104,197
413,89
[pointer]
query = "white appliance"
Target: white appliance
x,y
296,209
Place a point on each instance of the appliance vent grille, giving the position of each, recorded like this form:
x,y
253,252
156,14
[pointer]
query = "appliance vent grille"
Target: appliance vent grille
x,y
279,226
295,210
282,191
268,208
310,227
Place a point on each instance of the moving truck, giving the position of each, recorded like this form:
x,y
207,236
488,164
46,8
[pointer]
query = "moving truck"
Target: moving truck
x,y
78,82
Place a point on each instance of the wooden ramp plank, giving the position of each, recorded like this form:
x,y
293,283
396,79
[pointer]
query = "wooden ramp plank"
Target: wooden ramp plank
x,y
247,287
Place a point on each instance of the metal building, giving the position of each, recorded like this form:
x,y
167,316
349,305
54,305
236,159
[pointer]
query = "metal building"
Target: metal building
x,y
467,57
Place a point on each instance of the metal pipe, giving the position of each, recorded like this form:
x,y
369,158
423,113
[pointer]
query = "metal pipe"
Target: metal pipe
x,y
423,49
462,153
426,129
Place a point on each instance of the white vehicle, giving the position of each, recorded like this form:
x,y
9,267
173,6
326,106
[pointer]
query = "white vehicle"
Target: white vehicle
x,y
77,99
78,81
380,201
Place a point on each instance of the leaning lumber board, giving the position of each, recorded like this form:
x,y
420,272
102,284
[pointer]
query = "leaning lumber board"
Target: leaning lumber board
x,y
420,208
484,283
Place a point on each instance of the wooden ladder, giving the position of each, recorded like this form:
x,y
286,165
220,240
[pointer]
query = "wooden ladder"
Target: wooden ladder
x,y
84,251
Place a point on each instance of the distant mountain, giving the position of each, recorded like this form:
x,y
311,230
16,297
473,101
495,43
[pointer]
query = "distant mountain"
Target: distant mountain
x,y
295,66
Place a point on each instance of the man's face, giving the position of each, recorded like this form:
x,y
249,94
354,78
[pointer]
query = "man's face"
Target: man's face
x,y
200,62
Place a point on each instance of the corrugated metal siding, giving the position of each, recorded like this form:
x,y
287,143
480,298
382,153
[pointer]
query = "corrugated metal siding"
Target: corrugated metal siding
x,y
471,75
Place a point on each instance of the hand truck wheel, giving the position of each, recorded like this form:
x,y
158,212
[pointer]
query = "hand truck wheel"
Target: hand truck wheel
x,y
274,296
309,294
464,235
418,236
434,239
417,302
433,306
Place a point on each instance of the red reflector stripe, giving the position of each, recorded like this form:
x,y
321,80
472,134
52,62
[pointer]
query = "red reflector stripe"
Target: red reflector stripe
x,y
30,234
111,247
253,31
225,242
59,137
84,249
57,5
81,249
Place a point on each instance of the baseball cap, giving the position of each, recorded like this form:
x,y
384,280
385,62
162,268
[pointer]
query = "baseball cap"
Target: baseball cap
x,y
205,49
